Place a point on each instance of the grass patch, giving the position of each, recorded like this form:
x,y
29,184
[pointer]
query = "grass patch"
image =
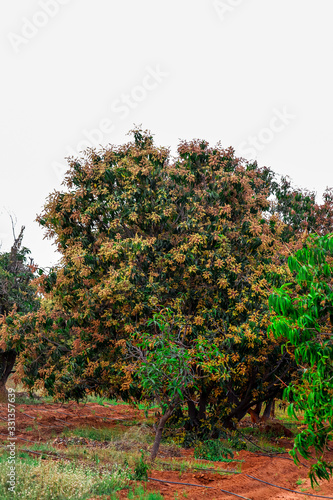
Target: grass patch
x,y
43,447
281,413
131,423
23,398
255,441
213,450
263,446
134,438
94,434
181,466
115,402
37,479
140,494
104,401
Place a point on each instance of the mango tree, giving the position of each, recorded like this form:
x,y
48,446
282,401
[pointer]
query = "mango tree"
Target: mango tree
x,y
140,232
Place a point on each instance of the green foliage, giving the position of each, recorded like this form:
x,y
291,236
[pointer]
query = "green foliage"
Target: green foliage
x,y
236,443
162,359
16,275
166,361
213,450
102,434
140,494
303,317
141,469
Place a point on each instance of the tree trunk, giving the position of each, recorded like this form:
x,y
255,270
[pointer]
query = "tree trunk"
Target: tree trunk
x,y
237,414
7,360
192,413
159,430
243,405
203,401
269,407
258,408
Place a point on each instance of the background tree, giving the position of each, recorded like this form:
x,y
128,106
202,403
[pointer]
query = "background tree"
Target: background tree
x,y
303,317
16,294
298,209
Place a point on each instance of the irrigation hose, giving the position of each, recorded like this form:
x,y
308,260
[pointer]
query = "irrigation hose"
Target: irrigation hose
x,y
287,489
198,486
274,454
235,494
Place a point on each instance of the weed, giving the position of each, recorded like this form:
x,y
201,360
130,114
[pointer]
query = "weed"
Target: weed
x,y
140,494
117,479
141,469
213,450
236,443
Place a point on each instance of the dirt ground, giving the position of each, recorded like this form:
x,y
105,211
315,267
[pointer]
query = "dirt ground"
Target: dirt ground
x,y
41,422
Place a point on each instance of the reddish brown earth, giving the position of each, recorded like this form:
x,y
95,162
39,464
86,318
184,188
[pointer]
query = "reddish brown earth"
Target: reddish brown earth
x,y
44,421
274,470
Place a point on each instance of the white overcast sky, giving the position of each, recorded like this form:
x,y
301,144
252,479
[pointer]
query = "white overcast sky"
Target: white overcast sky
x,y
253,74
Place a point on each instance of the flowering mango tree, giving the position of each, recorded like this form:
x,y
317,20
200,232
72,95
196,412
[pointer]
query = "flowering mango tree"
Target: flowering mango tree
x,y
140,232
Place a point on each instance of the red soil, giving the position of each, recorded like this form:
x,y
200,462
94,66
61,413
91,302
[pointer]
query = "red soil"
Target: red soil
x,y
41,421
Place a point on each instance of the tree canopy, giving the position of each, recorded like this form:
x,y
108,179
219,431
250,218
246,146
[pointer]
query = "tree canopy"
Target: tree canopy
x,y
16,275
141,233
